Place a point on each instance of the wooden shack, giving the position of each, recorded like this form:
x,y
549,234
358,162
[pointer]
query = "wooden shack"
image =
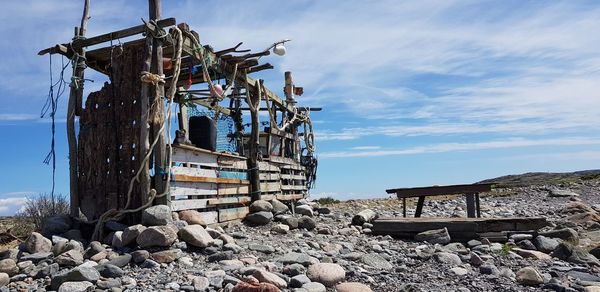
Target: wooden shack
x,y
132,148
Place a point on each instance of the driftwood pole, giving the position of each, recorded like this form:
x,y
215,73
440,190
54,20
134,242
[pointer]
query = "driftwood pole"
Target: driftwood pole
x,y
144,121
254,104
74,107
289,98
159,91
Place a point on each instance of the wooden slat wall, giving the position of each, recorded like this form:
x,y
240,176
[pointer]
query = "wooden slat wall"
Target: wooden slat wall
x,y
214,184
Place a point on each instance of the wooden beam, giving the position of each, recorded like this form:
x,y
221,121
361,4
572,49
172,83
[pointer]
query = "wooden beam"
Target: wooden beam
x,y
109,36
74,94
160,150
218,180
440,190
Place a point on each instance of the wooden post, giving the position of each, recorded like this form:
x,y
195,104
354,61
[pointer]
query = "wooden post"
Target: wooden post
x,y
419,209
160,150
470,205
144,124
253,144
289,98
75,95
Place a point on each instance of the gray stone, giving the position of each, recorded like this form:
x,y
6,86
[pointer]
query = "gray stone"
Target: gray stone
x,y
290,221
44,271
195,235
260,206
305,210
113,225
584,276
526,244
297,258
149,264
120,261
459,271
264,276
70,258
219,256
314,287
157,215
131,233
166,256
529,276
36,257
56,225
200,283
279,207
280,229
81,286
545,244
110,271
139,256
262,248
434,236
521,236
157,236
299,280
567,234
562,193
260,218
215,278
9,266
376,261
574,254
4,279
489,269
109,283
38,243
447,258
307,223
294,269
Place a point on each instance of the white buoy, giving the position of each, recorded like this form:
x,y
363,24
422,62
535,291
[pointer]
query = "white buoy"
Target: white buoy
x,y
279,50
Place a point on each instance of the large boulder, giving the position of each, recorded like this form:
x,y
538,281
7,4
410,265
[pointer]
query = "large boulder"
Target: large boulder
x,y
545,244
5,279
434,236
195,235
56,225
9,266
192,217
157,236
305,210
157,215
327,274
574,254
279,207
260,206
260,218
307,223
567,234
38,243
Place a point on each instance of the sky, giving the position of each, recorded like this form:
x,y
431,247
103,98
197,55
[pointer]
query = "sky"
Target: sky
x,y
414,93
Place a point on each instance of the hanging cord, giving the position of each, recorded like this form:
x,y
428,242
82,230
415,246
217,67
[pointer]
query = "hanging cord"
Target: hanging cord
x,y
117,214
51,106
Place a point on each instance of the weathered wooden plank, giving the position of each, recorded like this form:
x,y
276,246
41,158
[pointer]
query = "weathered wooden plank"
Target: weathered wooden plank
x,y
293,187
193,171
395,226
287,197
269,176
219,180
224,189
232,213
197,157
112,35
267,197
266,166
288,162
440,190
177,205
232,163
270,186
200,150
293,176
193,189
229,200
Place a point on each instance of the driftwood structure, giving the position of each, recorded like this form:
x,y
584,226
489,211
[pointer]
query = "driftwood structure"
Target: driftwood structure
x,y
122,156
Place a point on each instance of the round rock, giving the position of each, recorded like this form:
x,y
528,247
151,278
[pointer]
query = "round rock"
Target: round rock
x,y
327,274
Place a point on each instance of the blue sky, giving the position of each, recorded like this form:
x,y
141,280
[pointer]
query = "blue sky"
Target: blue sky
x,y
414,92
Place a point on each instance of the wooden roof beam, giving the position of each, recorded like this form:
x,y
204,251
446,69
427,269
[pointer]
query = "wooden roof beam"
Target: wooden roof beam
x,y
109,36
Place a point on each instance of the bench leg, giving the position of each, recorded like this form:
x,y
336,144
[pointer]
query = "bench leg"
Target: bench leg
x,y
404,207
471,205
477,205
419,207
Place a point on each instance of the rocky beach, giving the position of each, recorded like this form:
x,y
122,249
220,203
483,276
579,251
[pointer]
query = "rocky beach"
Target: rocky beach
x,y
319,249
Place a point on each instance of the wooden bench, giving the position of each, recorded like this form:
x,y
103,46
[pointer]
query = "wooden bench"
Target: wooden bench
x,y
471,192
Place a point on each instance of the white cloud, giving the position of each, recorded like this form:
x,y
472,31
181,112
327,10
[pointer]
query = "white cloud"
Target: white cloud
x,y
366,147
454,147
10,205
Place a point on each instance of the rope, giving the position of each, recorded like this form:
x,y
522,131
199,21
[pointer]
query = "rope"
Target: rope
x,y
117,214
51,106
